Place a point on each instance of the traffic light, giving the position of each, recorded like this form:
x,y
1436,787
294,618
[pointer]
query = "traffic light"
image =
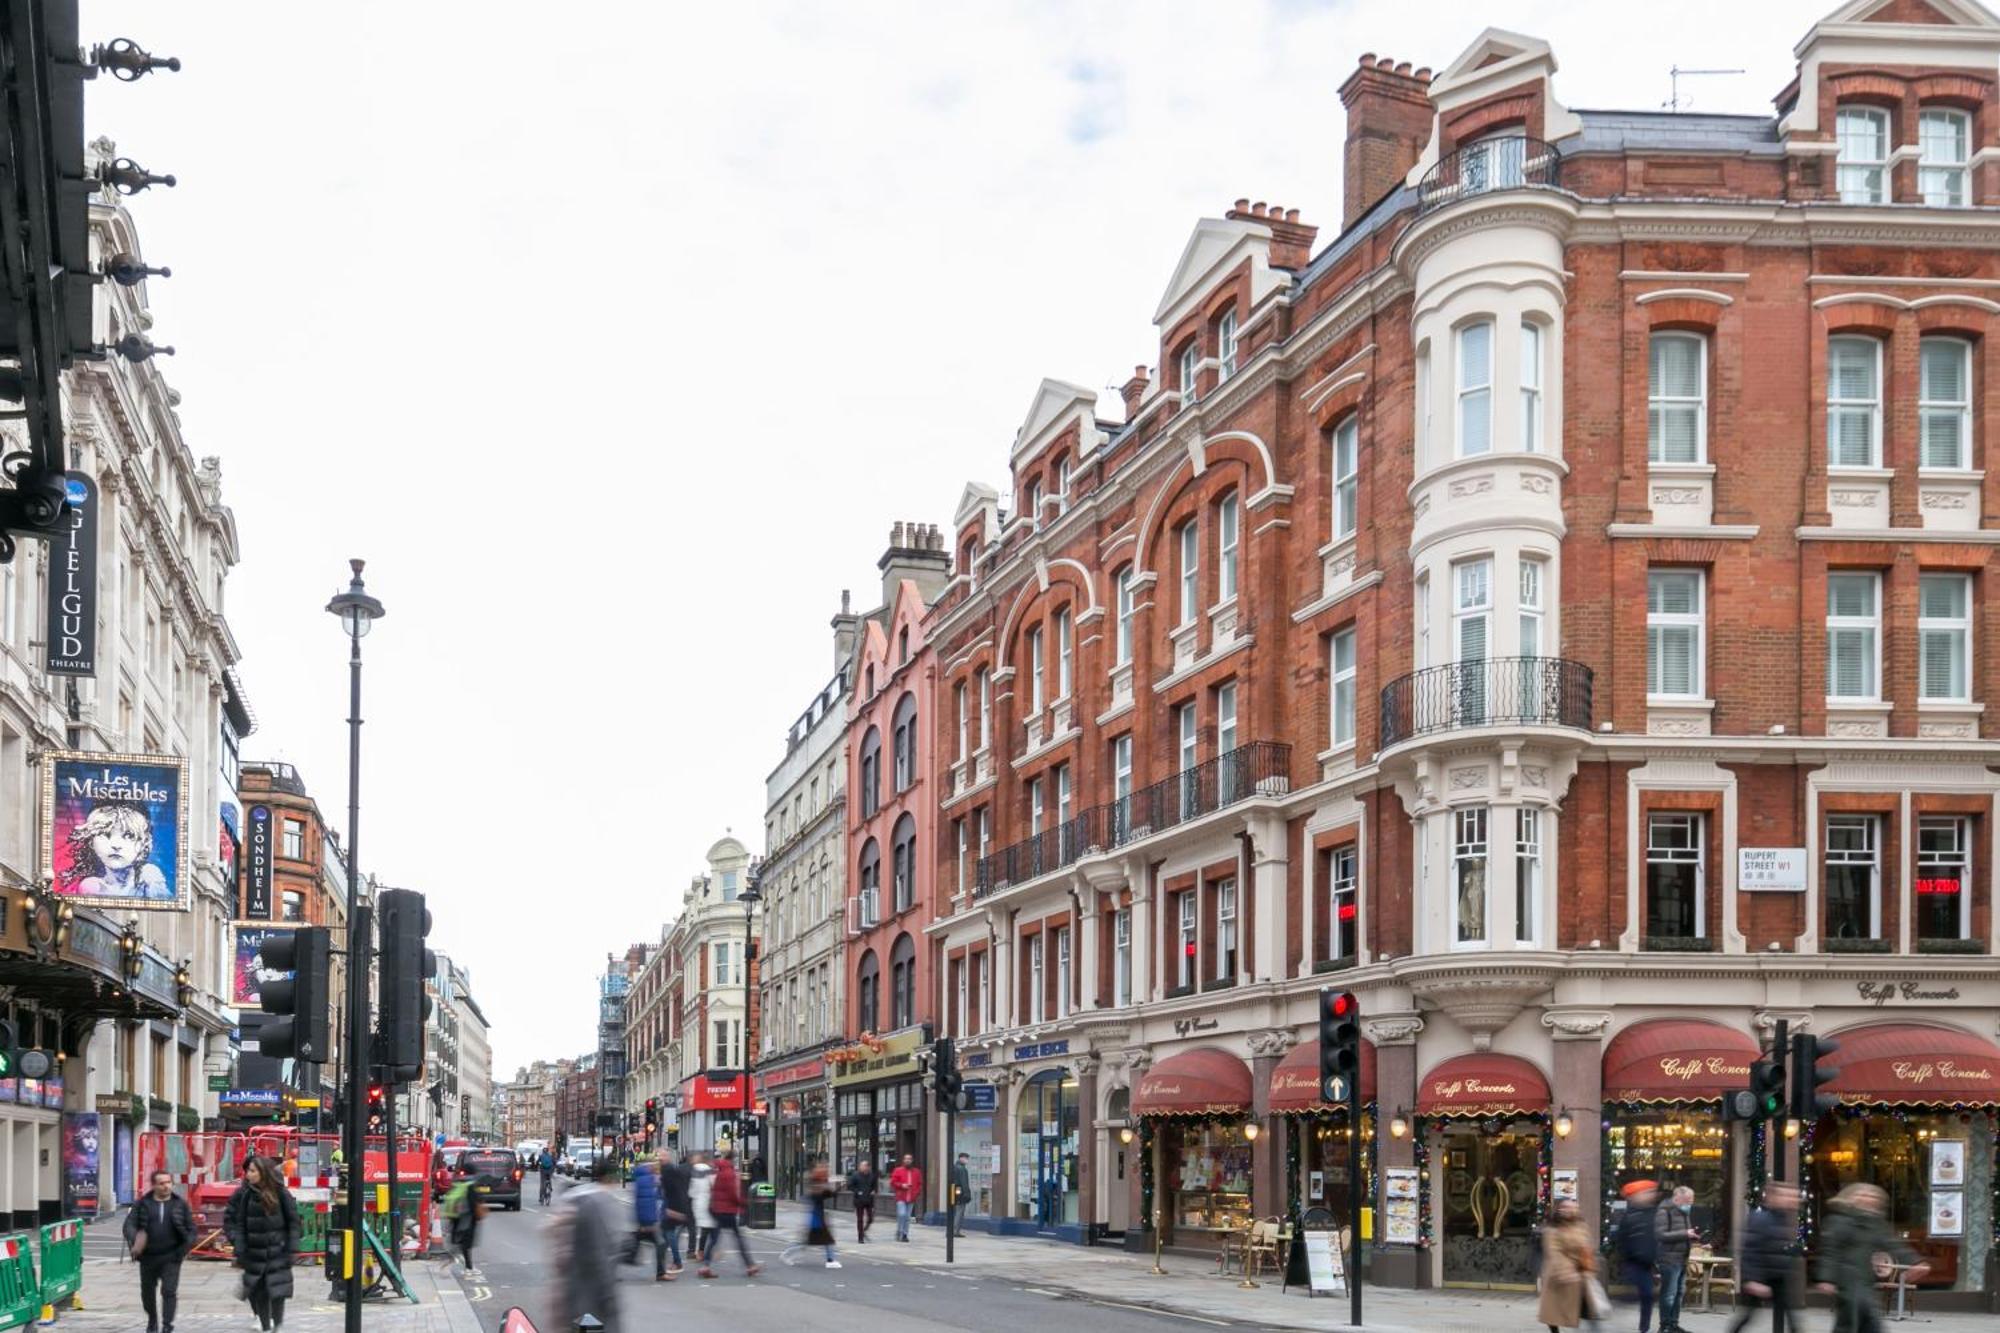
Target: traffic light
x,y
405,964
1339,1044
301,1028
9,1058
378,1110
652,1118
950,1083
1809,1075
1767,1089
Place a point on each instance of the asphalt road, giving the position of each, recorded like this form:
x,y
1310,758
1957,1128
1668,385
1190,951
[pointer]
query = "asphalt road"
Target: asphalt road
x,y
795,1291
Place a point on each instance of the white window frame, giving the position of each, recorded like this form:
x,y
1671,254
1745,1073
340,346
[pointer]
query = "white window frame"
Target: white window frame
x,y
1346,474
1423,620
1225,346
1870,855
1659,403
1127,602
1533,575
1424,435
1528,864
1869,408
1063,794
1870,624
1944,180
1851,169
1036,809
1062,485
1660,623
959,836
1469,847
1225,929
1959,626
1958,857
1037,1008
1121,957
1190,571
1466,609
1531,386
1696,855
1341,664
1063,971
1187,731
964,993
1227,515
1956,411
1190,371
1225,718
1037,684
1343,891
1065,655
1121,785
1185,934
1469,391
963,704
985,678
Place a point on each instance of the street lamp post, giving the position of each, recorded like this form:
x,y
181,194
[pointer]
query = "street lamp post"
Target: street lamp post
x,y
358,613
750,897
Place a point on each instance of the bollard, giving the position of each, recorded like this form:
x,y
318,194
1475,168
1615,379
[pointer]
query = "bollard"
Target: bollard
x,y
589,1324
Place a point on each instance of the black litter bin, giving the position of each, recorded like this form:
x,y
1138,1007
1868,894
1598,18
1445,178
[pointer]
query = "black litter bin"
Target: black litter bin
x,y
760,1210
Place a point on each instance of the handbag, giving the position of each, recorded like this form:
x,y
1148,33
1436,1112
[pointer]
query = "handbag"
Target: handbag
x,y
1596,1302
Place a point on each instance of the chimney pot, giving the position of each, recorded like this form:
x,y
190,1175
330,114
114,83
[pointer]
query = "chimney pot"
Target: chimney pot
x,y
1367,59
1389,121
1403,67
1242,204
1139,374
1257,209
1423,75
1386,62
1291,215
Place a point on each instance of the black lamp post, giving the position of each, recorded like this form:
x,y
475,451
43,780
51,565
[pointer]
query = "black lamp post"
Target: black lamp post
x,y
750,897
358,613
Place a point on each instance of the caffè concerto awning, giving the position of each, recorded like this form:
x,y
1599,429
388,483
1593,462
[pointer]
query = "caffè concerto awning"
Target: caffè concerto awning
x,y
1295,1082
1199,1082
1914,1064
1677,1060
1484,1083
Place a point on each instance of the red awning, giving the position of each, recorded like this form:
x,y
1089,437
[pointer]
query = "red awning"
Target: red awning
x,y
1199,1082
1914,1064
1483,1083
1295,1082
1677,1060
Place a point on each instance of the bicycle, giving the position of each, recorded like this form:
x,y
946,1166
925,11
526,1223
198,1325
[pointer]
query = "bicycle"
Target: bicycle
x,y
548,1187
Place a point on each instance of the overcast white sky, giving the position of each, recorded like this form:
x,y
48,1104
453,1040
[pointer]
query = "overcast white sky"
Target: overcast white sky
x,y
616,335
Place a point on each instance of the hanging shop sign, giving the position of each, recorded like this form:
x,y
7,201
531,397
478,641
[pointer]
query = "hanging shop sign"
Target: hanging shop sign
x,y
874,1057
114,827
73,584
257,866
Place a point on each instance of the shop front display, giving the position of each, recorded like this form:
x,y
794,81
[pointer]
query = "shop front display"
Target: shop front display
x,y
796,1094
1318,1143
1482,1141
1919,1117
1194,1109
1664,1080
879,1103
974,1134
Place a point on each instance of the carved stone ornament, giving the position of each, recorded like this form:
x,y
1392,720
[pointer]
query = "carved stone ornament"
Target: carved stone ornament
x,y
1340,565
1944,500
1423,505
1850,727
1577,1024
1960,729
1534,775
1399,1030
1676,495
1274,1041
1465,779
1467,487
1138,1059
1674,726
1086,1065
1855,499
1536,483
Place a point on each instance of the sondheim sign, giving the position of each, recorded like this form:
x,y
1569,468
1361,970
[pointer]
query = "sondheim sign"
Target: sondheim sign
x,y
73,584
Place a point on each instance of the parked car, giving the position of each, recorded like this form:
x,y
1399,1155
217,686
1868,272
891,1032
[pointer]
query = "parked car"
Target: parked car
x,y
496,1173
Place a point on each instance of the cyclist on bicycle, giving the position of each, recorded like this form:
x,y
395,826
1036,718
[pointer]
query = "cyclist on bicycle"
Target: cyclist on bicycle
x,y
547,1165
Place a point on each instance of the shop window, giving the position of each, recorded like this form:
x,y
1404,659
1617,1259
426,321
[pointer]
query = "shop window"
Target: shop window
x,y
1531,386
1675,915
1225,930
1853,877
1853,402
1677,399
1344,903
1121,957
1674,624
1346,476
1934,1166
1527,874
1185,938
1853,636
1341,667
1944,637
1944,402
1861,135
1468,876
1475,389
1944,144
1687,1145
1189,542
1944,878
1209,1170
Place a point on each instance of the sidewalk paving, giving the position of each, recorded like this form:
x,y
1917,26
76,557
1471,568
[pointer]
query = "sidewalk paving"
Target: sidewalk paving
x,y
1192,1288
208,1300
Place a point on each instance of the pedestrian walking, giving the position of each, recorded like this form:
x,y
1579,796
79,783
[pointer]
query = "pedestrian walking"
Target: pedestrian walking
x,y
649,1219
906,1182
1637,1244
585,1265
961,1191
725,1205
820,1190
1674,1228
1569,1271
462,1212
262,1223
701,1188
676,1213
1765,1260
1856,1249
159,1231
862,1185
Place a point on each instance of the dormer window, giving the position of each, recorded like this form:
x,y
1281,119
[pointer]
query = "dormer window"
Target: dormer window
x,y
1225,344
1862,136
1944,142
1062,485
1031,501
1190,358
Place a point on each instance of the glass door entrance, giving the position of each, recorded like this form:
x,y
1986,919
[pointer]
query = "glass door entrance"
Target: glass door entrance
x,y
1490,1184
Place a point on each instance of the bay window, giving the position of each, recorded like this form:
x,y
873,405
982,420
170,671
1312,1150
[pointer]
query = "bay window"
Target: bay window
x,y
1471,613
1527,874
1468,876
1674,910
1531,386
1475,389
1853,877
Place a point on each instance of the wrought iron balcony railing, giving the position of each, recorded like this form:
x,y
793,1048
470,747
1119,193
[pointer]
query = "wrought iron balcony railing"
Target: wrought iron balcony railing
x,y
1490,692
1512,163
1261,768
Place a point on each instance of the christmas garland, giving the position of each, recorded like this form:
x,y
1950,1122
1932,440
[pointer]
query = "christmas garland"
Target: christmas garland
x,y
1904,1116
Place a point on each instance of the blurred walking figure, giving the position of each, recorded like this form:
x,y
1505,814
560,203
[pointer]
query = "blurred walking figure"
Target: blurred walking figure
x,y
649,1218
1637,1242
676,1212
462,1212
1856,1250
701,1187
725,1206
863,1184
585,1262
819,1193
262,1223
1569,1269
1770,1243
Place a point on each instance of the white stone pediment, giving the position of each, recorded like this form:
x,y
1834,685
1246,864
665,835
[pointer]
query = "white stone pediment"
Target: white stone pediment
x,y
977,498
1217,246
1057,403
1955,13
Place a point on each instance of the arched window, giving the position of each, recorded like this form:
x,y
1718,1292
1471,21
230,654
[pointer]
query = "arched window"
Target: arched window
x,y
903,860
871,882
868,990
871,772
906,741
902,982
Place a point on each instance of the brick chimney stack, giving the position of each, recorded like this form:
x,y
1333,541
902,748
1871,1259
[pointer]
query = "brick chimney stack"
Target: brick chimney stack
x,y
1388,124
1134,391
1291,239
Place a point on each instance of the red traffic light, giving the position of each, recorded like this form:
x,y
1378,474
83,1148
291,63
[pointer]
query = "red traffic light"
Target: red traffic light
x,y
1343,1004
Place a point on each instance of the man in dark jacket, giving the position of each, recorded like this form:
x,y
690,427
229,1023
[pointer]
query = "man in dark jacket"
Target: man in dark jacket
x,y
585,1266
1765,1261
961,1192
676,1209
1674,1227
159,1231
1637,1244
861,1181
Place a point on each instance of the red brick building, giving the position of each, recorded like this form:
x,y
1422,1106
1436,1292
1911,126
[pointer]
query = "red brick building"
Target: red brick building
x,y
1553,604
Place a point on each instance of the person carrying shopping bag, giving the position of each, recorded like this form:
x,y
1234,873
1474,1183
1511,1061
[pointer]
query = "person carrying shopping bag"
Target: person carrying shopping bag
x,y
1571,1294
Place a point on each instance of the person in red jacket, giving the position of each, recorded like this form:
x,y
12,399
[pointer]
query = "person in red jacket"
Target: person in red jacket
x,y
725,1205
906,1182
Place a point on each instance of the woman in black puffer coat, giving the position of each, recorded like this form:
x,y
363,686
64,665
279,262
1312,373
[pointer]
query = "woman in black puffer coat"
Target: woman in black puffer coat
x,y
263,1227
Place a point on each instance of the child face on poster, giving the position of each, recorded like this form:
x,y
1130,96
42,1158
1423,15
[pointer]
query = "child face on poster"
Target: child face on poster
x,y
110,851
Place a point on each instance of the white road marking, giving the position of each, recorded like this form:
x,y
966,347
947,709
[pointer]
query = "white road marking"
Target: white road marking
x,y
1171,1314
